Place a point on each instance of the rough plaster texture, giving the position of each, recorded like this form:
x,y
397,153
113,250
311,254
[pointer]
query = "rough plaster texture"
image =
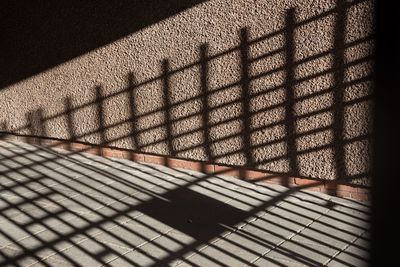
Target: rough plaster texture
x,y
283,86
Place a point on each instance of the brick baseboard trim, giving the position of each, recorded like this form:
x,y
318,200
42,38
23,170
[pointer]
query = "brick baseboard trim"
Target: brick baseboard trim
x,y
335,188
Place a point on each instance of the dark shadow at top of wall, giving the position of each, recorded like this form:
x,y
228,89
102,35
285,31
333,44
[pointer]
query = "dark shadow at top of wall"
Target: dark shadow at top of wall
x,y
37,35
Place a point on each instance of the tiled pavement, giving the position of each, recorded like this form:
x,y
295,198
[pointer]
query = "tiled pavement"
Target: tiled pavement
x,y
60,208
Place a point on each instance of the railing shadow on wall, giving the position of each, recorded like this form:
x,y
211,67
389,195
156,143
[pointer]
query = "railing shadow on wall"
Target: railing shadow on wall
x,y
288,119
265,124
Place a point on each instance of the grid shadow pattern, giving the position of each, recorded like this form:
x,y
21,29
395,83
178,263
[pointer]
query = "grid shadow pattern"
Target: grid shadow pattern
x,y
294,127
61,208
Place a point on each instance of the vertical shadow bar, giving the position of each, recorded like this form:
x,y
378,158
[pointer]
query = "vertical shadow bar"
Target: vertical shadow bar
x,y
289,86
289,89
245,98
36,126
70,121
338,90
133,111
29,116
100,117
42,129
205,102
3,128
167,110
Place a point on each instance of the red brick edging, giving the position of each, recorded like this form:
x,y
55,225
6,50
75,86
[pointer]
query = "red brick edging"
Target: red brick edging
x,y
326,186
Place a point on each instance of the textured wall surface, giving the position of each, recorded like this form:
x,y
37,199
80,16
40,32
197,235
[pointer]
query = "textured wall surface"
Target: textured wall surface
x,y
283,86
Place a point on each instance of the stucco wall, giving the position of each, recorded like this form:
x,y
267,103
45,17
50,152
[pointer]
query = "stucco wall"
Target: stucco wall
x,y
283,86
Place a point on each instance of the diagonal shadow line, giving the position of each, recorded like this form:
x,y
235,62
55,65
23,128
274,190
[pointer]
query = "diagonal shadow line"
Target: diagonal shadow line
x,y
264,109
297,205
72,28
177,184
81,204
35,220
52,215
270,125
42,218
301,61
307,151
100,127
357,100
125,172
288,210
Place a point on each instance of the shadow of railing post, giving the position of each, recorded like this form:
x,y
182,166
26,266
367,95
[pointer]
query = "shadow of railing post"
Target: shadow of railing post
x,y
166,98
100,118
289,95
338,90
133,112
254,146
36,125
245,100
3,128
68,106
205,112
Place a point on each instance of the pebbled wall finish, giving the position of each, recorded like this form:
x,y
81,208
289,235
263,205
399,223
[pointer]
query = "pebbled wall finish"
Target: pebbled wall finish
x,y
283,86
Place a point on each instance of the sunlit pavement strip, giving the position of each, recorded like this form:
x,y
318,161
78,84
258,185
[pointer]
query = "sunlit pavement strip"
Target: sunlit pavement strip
x,y
60,208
